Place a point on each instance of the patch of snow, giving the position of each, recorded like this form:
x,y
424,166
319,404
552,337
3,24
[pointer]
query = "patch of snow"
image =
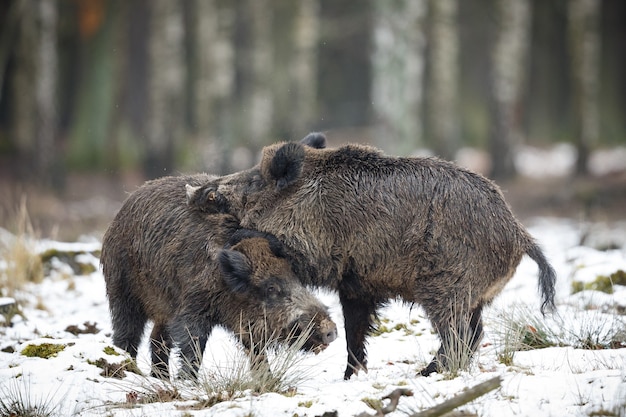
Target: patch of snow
x,y
554,381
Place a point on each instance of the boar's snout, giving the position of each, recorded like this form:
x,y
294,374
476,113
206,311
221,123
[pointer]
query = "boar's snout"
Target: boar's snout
x,y
328,331
321,332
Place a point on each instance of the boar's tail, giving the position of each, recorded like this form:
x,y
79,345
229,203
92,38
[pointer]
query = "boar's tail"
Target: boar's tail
x,y
547,277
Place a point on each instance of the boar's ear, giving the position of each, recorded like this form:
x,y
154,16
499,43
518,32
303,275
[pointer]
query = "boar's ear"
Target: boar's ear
x,y
286,165
199,195
205,198
315,140
235,269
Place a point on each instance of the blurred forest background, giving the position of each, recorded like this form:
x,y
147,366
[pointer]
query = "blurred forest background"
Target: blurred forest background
x,y
148,88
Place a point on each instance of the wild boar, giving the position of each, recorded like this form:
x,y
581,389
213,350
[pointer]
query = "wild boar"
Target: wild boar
x,y
376,228
189,272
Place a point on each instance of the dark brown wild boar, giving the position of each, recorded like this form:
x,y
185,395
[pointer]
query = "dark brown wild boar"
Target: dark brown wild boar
x,y
189,272
376,227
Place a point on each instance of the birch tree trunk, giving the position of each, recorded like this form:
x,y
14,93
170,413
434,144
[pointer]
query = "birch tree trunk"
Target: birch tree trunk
x,y
443,80
34,123
165,87
509,63
397,72
304,65
215,82
257,102
585,50
46,92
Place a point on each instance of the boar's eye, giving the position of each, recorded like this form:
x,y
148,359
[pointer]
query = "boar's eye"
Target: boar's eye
x,y
273,291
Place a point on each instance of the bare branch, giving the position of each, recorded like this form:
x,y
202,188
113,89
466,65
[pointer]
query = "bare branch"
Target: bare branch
x,y
461,399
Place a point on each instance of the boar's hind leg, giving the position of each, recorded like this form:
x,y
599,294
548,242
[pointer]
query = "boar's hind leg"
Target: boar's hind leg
x,y
160,345
128,320
359,314
460,335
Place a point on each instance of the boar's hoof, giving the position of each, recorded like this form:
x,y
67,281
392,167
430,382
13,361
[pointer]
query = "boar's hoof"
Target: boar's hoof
x,y
431,368
354,370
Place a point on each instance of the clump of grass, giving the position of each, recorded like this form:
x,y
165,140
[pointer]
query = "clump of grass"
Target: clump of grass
x,y
521,328
280,369
457,353
277,368
16,399
375,404
22,263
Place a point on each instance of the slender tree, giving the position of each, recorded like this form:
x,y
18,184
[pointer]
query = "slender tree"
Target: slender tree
x,y
509,61
585,50
443,79
34,123
256,61
304,64
397,72
214,81
22,80
46,91
165,87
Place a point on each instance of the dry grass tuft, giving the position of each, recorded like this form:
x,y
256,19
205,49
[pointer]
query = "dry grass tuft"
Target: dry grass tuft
x,y
20,262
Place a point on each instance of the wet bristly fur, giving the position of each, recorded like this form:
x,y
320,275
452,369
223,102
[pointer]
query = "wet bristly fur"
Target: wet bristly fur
x,y
376,227
188,271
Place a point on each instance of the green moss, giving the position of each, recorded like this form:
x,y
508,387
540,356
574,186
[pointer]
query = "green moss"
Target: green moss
x,y
44,350
69,258
618,277
110,350
601,283
305,404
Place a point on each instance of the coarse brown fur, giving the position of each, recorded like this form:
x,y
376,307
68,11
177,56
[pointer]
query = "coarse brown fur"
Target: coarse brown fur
x,y
376,227
189,271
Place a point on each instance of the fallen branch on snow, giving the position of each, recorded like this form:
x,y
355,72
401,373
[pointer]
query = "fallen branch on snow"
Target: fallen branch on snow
x,y
445,407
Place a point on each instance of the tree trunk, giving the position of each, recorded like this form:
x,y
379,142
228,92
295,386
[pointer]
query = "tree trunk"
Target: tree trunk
x,y
304,66
397,72
255,61
46,93
509,62
214,82
585,50
23,95
165,87
34,95
443,78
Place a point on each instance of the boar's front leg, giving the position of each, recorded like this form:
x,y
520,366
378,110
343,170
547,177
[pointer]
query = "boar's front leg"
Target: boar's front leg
x,y
359,313
190,335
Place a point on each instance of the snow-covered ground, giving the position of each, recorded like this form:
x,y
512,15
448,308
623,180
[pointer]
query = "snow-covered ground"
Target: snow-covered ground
x,y
554,381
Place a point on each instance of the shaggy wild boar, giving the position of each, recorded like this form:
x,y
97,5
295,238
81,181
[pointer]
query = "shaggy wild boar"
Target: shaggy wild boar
x,y
376,228
189,271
